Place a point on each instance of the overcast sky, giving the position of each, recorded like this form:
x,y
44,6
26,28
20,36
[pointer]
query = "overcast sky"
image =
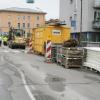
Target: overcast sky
x,y
49,6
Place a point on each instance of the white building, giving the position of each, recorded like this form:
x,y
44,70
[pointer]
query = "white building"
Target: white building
x,y
82,16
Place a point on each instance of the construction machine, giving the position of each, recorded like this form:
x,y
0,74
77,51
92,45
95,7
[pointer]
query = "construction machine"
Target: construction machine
x,y
16,38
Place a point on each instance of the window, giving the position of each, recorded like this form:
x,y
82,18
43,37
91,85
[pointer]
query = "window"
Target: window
x,y
9,24
23,25
70,18
37,25
9,17
18,25
37,17
28,17
23,17
18,17
75,16
28,25
96,16
71,1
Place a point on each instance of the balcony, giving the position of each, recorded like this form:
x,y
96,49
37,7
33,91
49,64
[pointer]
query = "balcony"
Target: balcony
x,y
96,7
96,24
97,4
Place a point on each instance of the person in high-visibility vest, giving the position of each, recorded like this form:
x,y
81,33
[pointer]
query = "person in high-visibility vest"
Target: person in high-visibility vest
x,y
5,39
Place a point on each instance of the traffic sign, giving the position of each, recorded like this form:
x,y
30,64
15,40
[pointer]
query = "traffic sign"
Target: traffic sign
x,y
73,23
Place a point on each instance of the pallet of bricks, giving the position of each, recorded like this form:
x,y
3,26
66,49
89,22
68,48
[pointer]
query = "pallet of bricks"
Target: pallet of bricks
x,y
59,55
55,52
71,55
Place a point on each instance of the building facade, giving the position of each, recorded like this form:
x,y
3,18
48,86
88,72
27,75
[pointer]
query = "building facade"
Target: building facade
x,y
20,18
83,16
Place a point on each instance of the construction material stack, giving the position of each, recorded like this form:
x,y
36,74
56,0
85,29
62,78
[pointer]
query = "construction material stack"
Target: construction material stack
x,y
54,53
59,54
69,55
61,49
92,58
72,57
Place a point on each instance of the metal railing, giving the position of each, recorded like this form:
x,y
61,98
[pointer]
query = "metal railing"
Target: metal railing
x,y
90,44
96,24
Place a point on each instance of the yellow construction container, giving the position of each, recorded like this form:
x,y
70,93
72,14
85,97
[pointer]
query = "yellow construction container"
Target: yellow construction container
x,y
57,35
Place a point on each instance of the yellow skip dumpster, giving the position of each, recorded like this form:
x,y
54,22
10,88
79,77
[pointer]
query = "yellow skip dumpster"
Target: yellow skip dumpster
x,y
56,33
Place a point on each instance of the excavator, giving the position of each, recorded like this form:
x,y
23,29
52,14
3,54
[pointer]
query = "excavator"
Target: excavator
x,y
16,39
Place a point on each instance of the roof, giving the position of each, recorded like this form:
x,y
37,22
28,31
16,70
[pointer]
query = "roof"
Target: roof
x,y
23,10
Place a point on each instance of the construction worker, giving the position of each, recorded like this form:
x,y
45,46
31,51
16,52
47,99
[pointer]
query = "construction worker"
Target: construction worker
x,y
5,39
0,40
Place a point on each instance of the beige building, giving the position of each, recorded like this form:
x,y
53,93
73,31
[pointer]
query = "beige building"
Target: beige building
x,y
21,18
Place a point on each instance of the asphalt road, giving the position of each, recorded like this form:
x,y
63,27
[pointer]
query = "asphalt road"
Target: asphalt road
x,y
27,77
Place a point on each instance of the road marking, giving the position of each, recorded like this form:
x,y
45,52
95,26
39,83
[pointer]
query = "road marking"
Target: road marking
x,y
24,82
26,86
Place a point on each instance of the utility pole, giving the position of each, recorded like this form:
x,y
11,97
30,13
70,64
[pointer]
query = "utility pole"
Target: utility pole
x,y
81,16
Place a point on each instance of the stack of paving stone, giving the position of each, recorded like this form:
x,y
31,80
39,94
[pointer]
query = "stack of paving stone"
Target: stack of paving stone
x,y
54,53
59,54
92,58
72,57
